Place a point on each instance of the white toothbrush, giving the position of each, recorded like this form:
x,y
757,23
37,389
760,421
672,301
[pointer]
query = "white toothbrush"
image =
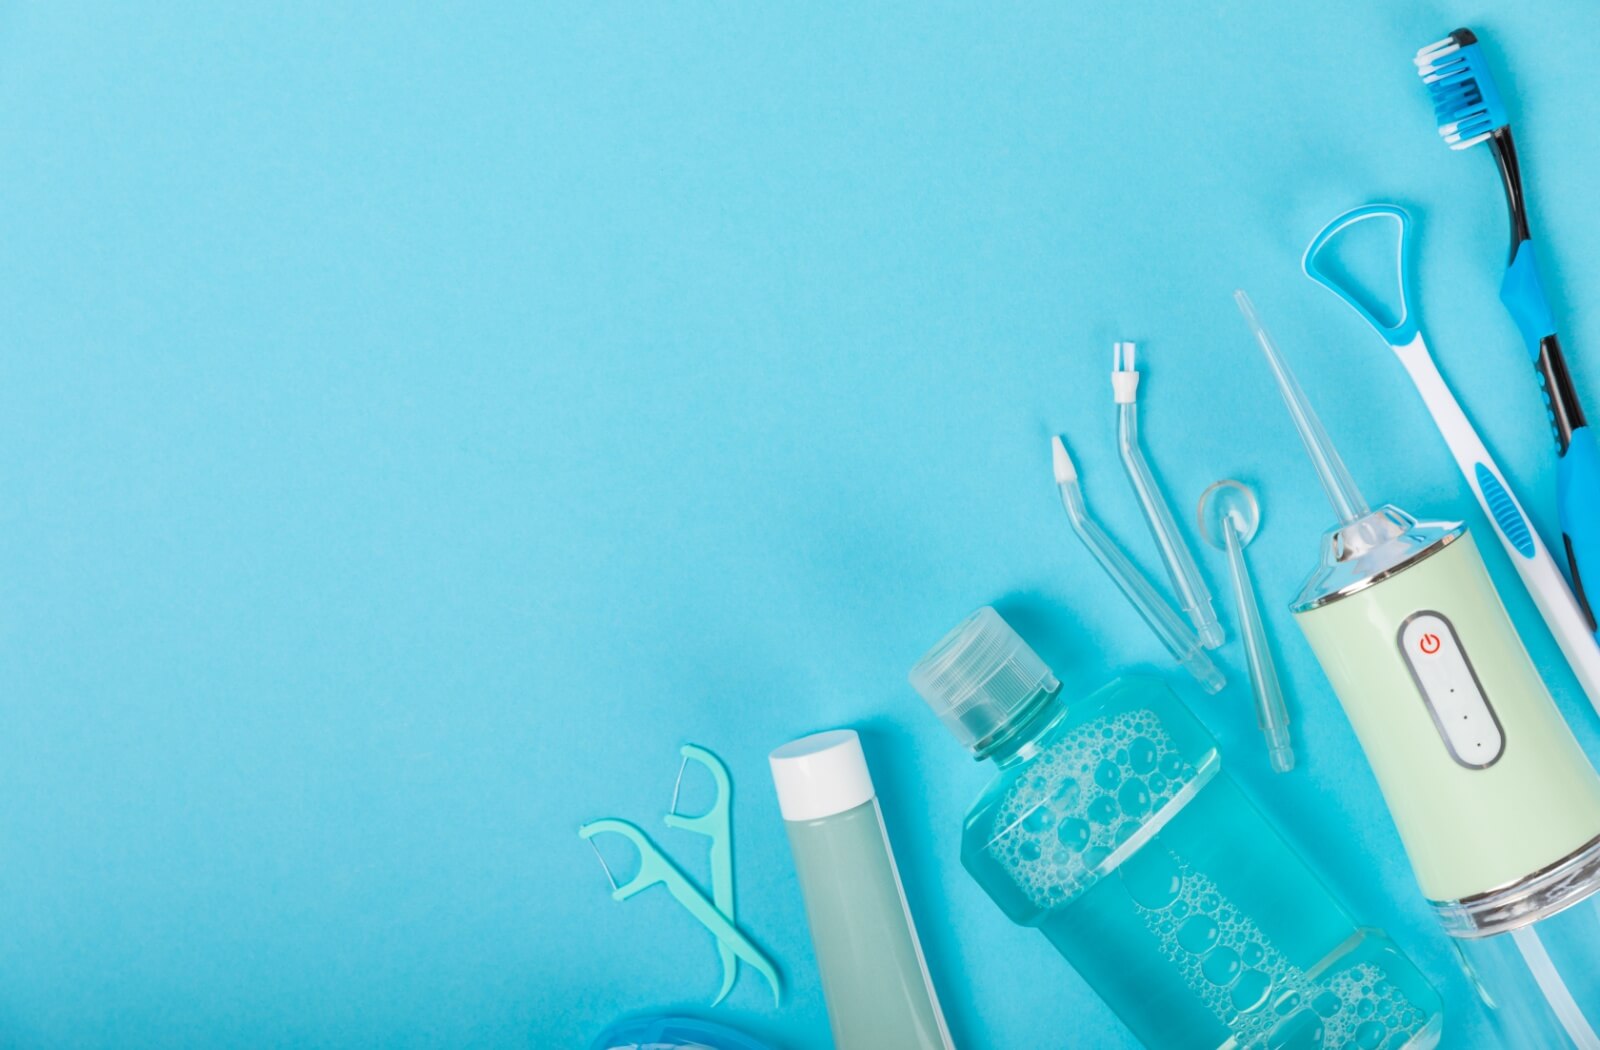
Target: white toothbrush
x,y
1540,575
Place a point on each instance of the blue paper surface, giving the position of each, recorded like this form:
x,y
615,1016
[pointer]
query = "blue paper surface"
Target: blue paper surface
x,y
420,423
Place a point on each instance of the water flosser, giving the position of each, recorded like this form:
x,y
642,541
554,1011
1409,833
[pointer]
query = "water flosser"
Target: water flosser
x,y
1497,806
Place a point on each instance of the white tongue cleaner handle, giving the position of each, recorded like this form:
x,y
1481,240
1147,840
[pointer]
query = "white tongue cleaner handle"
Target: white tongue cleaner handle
x,y
1538,570
1521,541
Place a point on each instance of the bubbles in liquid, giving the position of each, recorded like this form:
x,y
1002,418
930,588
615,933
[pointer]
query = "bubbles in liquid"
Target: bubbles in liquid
x,y
1198,935
1074,833
1142,756
1088,792
1152,878
1097,786
1300,1031
1221,966
1250,991
1135,798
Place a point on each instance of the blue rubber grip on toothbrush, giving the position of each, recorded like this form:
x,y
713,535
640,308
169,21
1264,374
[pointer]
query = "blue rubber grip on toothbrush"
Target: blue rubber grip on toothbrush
x,y
1578,468
1522,291
1578,496
1506,514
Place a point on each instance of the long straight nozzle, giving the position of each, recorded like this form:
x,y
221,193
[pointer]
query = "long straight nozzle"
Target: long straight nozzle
x,y
1331,471
1175,554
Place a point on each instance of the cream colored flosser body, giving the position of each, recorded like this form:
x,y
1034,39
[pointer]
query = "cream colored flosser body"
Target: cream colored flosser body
x,y
1497,805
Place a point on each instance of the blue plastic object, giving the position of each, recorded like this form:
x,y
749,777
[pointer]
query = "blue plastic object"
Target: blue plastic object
x,y
1578,494
1504,510
1522,292
1404,330
1497,501
666,1032
1464,94
1578,468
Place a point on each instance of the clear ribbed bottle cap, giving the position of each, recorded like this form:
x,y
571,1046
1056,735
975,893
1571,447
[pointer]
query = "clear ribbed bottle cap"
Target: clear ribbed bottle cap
x,y
979,677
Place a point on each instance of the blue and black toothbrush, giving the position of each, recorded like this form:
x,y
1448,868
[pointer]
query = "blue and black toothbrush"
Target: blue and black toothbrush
x,y
1470,109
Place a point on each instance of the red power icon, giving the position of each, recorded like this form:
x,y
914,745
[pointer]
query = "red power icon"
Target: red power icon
x,y
1428,643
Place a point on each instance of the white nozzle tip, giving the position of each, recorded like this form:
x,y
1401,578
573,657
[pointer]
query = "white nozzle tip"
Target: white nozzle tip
x,y
1065,471
1123,356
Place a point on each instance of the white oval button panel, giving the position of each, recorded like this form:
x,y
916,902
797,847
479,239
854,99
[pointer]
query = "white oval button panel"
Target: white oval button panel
x,y
1443,673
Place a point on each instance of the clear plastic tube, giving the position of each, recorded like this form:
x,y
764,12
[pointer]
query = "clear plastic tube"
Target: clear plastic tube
x,y
1331,471
1168,626
1271,714
1184,573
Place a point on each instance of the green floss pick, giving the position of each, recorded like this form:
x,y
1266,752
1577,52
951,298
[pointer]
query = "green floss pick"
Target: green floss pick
x,y
656,868
717,825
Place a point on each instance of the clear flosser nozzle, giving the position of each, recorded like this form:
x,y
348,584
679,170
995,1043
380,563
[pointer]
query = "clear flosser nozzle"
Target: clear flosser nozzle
x,y
1180,641
1336,481
1229,516
1175,554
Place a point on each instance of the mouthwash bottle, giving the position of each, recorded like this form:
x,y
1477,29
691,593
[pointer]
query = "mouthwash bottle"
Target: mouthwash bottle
x,y
1111,826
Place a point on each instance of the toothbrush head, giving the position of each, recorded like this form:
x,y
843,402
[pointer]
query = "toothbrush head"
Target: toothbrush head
x,y
1466,102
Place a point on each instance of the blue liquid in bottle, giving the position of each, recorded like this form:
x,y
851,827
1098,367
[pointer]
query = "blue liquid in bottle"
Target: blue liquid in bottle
x,y
1111,826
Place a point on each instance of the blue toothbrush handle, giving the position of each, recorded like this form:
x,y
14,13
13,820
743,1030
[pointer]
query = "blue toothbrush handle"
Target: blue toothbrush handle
x,y
1578,469
1578,495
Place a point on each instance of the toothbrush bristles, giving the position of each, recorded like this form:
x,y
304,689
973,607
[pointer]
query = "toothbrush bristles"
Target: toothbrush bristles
x,y
1466,105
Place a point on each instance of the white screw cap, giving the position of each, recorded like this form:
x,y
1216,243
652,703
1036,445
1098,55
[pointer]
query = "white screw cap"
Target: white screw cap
x,y
820,775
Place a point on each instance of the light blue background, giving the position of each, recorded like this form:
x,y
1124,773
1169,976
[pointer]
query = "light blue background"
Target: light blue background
x,y
418,425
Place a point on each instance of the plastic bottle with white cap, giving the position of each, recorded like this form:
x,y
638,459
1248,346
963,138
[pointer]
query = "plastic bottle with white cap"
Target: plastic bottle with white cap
x,y
874,978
